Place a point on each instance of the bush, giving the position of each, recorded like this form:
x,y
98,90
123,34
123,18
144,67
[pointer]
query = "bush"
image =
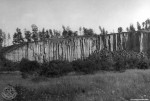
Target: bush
x,y
77,65
14,67
85,66
103,59
143,64
7,65
105,64
132,63
126,59
27,66
55,68
119,65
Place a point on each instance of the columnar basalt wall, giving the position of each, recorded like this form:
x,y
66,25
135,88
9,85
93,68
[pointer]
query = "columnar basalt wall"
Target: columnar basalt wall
x,y
79,47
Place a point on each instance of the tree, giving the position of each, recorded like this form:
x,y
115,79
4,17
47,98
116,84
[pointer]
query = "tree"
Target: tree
x,y
1,38
20,38
75,33
67,32
120,29
138,26
71,33
42,35
103,31
28,36
51,33
147,24
47,36
132,29
56,34
17,37
88,32
15,40
127,29
64,33
35,35
143,24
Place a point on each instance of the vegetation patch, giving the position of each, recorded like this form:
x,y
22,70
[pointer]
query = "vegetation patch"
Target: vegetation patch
x,y
106,86
55,68
103,60
27,66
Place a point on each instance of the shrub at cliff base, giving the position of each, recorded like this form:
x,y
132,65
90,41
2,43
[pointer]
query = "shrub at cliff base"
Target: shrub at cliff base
x,y
143,64
27,66
103,60
7,65
132,63
85,66
55,68
119,65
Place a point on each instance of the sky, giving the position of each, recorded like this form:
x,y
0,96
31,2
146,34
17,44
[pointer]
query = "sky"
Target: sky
x,y
52,14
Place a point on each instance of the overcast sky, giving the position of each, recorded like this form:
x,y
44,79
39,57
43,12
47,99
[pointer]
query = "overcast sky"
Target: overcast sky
x,y
110,14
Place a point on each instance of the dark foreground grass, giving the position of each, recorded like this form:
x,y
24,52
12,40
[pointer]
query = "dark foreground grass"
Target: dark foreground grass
x,y
101,86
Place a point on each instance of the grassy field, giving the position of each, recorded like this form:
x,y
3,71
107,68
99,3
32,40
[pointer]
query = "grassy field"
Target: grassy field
x,y
101,86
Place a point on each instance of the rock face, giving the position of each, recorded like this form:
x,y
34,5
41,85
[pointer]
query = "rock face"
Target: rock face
x,y
79,47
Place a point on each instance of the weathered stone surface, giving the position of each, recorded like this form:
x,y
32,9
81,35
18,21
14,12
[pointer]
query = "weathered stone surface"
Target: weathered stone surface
x,y
78,47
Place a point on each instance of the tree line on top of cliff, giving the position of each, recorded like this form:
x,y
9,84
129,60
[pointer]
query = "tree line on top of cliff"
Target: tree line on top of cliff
x,y
37,35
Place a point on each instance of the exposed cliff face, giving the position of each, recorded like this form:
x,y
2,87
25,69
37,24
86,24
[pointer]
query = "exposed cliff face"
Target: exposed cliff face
x,y
79,47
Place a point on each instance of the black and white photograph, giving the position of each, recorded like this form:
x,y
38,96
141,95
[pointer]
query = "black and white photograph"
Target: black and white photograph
x,y
74,50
